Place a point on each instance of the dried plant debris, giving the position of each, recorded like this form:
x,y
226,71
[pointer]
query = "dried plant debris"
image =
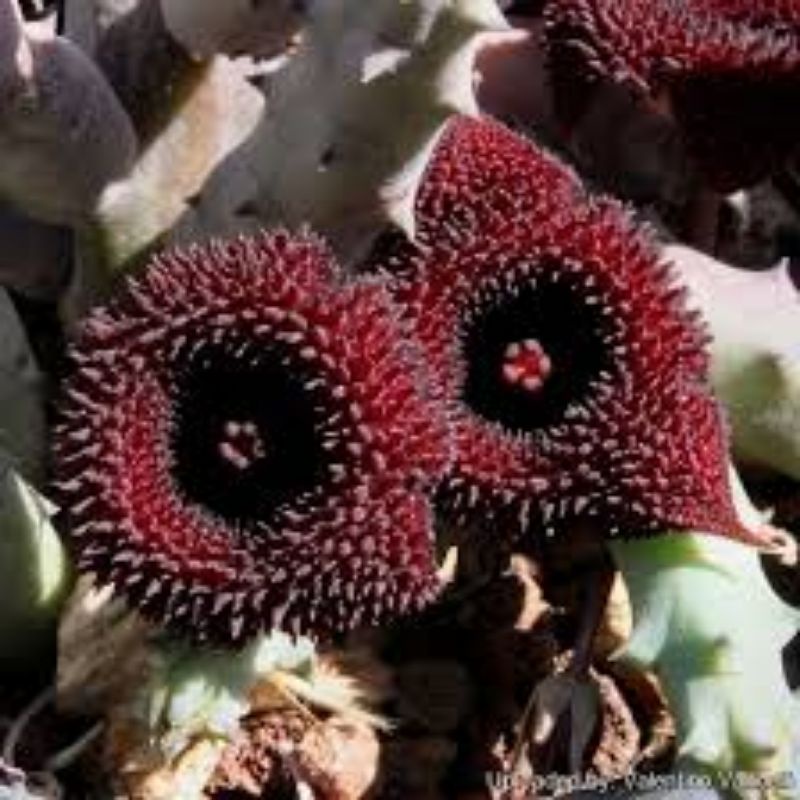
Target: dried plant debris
x,y
255,763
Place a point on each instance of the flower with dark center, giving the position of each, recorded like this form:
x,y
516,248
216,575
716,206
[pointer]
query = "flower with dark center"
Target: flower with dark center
x,y
575,378
245,442
727,71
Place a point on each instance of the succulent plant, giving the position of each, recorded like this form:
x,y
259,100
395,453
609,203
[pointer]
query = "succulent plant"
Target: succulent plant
x,y
260,29
36,577
251,437
34,568
186,149
64,134
754,366
723,671
337,102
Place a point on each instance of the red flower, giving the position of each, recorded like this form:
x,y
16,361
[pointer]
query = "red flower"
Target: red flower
x,y
727,70
244,443
575,378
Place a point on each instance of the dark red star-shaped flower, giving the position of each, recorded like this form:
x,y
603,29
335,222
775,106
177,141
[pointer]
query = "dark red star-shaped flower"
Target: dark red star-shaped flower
x,y
727,71
574,376
245,442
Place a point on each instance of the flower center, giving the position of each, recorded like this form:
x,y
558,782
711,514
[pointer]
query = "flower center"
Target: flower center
x,y
246,433
526,365
241,444
534,343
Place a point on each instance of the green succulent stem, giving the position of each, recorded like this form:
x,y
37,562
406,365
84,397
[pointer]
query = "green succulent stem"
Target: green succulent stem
x,y
35,576
708,623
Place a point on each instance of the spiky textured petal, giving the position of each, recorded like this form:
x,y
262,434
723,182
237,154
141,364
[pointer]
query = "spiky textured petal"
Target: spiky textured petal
x,y
514,259
244,443
728,70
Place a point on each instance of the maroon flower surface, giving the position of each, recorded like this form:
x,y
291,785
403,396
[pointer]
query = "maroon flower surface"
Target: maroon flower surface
x,y
575,378
728,71
245,443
